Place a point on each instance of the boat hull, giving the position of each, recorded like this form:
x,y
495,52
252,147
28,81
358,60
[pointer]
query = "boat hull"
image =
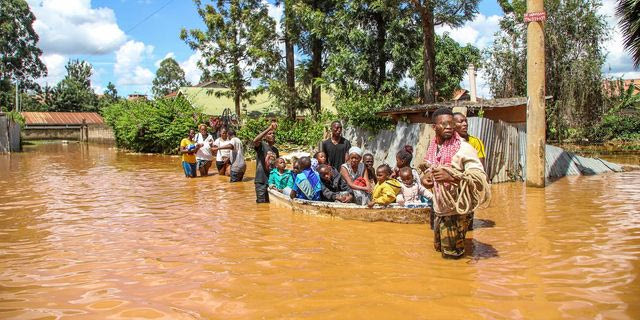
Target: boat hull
x,y
393,213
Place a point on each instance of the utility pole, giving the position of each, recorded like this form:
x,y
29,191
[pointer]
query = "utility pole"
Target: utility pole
x,y
17,106
536,136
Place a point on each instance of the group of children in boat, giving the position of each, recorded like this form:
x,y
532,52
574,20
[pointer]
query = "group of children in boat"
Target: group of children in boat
x,y
453,170
355,181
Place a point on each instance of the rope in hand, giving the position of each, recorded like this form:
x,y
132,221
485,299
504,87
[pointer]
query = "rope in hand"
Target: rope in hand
x,y
472,190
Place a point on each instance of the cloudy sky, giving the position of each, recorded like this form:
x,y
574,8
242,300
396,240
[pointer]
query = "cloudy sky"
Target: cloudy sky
x,y
125,40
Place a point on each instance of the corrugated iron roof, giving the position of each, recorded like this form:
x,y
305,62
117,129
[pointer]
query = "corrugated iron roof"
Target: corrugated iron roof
x,y
61,118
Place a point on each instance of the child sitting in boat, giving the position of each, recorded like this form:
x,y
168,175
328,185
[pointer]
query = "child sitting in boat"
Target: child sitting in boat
x,y
280,178
334,188
403,160
386,189
321,157
411,190
307,184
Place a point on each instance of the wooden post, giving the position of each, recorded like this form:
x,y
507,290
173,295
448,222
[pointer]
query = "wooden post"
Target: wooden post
x,y
536,137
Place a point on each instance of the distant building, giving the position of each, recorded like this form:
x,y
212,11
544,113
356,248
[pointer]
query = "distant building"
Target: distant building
x,y
209,97
511,110
613,87
136,96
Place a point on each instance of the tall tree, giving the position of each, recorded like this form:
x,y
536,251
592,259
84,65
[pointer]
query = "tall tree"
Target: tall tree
x,y
111,92
169,78
368,44
574,34
19,53
629,13
453,13
74,92
316,18
239,45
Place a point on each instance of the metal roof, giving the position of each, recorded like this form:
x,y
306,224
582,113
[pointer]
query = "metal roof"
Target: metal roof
x,y
480,104
61,118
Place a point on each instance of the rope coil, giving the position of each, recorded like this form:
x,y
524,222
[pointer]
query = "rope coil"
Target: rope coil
x,y
471,192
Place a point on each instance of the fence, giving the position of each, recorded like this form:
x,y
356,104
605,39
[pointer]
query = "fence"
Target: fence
x,y
9,135
506,146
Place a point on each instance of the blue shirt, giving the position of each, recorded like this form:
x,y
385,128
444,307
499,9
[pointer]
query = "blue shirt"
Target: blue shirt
x,y
307,185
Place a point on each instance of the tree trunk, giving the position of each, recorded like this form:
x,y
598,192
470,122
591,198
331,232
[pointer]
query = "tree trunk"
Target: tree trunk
x,y
236,100
428,53
316,72
381,25
288,47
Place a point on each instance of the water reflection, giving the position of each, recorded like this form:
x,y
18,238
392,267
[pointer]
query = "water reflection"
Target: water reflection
x,y
89,232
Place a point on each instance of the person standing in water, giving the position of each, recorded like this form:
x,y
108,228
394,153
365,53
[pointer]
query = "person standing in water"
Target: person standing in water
x,y
263,143
336,147
188,149
238,165
462,127
450,160
204,156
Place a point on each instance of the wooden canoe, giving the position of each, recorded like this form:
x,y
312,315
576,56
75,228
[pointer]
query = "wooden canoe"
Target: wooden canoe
x,y
393,213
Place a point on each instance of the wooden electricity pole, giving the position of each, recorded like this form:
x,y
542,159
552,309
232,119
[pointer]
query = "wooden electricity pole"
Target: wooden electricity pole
x,y
536,136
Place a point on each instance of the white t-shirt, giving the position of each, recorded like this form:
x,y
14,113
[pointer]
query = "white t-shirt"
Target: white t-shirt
x,y
224,152
237,164
204,153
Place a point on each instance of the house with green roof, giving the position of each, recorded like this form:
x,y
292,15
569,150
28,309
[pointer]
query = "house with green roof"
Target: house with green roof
x,y
203,97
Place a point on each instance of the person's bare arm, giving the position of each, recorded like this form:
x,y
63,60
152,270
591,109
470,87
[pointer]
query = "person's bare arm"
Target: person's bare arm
x,y
259,137
347,179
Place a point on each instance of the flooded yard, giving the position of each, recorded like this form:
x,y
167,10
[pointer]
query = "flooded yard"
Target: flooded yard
x,y
89,232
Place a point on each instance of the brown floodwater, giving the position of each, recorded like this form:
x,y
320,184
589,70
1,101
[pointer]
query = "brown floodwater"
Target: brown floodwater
x,y
88,232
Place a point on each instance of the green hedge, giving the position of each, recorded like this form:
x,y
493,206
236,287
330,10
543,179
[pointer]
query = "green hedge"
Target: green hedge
x,y
301,133
151,126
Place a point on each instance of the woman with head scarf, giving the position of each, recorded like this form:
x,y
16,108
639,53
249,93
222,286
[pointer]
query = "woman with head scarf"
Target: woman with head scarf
x,y
355,175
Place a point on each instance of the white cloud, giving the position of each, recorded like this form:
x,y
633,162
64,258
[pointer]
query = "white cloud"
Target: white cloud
x,y
618,60
128,68
190,66
73,27
482,84
478,32
55,68
168,55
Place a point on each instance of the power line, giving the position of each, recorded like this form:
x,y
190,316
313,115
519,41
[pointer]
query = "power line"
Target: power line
x,y
149,16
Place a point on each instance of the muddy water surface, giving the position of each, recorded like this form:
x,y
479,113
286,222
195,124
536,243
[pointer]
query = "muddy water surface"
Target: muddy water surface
x,y
87,232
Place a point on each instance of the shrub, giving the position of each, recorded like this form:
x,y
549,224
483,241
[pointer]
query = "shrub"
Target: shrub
x,y
359,108
151,126
305,133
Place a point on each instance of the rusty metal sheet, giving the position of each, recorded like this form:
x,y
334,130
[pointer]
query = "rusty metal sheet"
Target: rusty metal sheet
x,y
61,118
483,129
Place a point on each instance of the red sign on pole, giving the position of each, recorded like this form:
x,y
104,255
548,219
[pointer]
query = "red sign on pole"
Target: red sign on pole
x,y
535,16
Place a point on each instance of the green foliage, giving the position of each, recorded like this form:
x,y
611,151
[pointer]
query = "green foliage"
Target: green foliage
x,y
306,133
452,61
574,56
16,117
360,108
19,53
74,92
151,126
238,45
622,121
169,78
629,13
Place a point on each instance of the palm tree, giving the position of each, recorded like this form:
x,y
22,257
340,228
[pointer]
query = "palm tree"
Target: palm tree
x,y
629,13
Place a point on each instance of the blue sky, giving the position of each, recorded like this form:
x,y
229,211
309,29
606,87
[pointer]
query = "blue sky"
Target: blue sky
x,y
125,40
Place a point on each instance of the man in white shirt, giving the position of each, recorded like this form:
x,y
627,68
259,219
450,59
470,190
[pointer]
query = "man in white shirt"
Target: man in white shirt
x,y
204,155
